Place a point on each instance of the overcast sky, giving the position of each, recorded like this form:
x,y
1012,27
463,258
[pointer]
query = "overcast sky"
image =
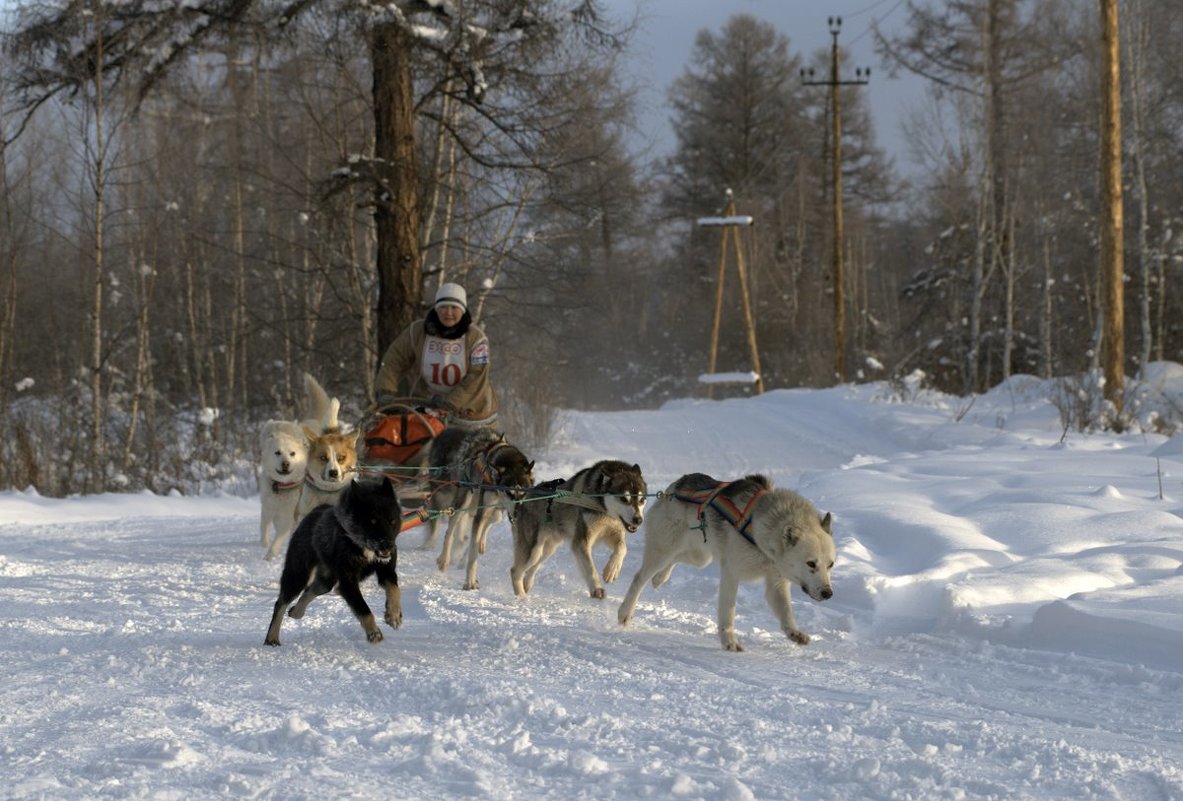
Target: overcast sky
x,y
668,27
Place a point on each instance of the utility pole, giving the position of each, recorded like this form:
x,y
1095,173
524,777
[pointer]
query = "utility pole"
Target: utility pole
x,y
862,76
1112,259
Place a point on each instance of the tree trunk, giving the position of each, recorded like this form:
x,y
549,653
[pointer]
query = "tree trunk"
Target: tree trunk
x,y
1138,35
8,308
96,481
141,374
977,289
396,210
1045,319
999,249
1112,258
438,176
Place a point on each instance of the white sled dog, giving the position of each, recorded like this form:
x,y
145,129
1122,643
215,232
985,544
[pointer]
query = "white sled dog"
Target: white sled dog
x,y
753,530
598,504
283,458
332,458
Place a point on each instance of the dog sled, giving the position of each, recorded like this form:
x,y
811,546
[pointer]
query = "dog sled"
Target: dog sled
x,y
397,441
401,432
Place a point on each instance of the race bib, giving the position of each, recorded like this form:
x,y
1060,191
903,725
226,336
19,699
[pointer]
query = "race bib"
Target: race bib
x,y
444,363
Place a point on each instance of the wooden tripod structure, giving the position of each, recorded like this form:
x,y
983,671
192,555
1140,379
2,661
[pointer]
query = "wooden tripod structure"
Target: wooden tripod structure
x,y
731,225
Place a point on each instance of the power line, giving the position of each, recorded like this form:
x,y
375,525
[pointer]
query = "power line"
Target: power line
x,y
876,20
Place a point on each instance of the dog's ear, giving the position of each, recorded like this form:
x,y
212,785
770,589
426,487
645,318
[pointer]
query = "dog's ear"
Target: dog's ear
x,y
309,434
530,466
386,485
790,537
827,521
636,468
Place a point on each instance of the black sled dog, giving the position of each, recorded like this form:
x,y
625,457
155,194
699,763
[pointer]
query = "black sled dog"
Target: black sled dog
x,y
340,546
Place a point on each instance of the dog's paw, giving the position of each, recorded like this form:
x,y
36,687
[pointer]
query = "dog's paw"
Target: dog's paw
x,y
442,564
374,636
598,593
274,642
611,575
472,585
799,637
733,645
393,615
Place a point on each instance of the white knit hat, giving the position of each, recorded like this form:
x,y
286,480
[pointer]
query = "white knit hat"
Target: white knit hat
x,y
451,295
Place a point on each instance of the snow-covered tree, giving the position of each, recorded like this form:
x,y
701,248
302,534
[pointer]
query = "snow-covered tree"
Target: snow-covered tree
x,y
492,56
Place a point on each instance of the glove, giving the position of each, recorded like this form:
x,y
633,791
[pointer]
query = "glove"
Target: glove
x,y
440,402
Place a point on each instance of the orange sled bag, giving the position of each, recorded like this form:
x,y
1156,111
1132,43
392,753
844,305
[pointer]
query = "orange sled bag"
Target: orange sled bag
x,y
398,437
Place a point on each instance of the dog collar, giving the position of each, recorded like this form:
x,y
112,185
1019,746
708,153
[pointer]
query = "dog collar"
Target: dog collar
x,y
283,486
325,487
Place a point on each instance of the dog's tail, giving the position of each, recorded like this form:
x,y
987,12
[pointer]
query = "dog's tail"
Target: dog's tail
x,y
759,480
320,406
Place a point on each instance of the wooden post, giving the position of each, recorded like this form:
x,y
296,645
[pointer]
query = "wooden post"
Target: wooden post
x,y
718,300
730,224
753,351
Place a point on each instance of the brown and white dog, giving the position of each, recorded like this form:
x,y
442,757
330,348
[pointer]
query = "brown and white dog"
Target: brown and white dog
x,y
332,458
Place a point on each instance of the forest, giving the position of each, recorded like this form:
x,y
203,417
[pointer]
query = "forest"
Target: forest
x,y
202,201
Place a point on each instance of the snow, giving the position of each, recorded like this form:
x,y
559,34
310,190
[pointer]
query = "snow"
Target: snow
x,y
1006,624
736,377
737,219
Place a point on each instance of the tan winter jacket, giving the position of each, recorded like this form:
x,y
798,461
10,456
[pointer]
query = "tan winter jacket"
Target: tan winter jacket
x,y
400,373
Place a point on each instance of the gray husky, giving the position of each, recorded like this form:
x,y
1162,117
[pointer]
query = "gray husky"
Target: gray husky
x,y
598,504
476,471
339,546
753,530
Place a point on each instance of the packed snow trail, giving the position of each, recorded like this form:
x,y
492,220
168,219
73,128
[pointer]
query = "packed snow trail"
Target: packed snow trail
x,y
976,564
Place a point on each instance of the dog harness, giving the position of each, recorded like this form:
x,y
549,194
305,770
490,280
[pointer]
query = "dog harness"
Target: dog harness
x,y
486,473
740,519
413,519
547,487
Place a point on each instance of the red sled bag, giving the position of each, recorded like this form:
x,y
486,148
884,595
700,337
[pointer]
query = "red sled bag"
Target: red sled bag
x,y
399,437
